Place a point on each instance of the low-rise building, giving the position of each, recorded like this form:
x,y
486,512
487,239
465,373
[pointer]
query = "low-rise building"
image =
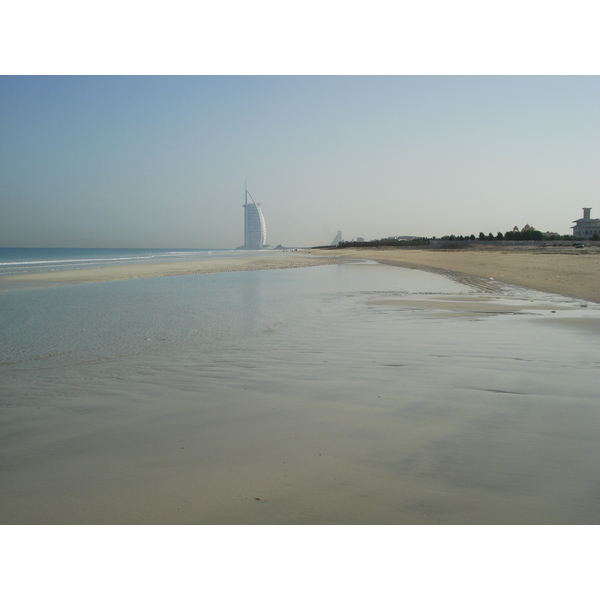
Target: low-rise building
x,y
587,227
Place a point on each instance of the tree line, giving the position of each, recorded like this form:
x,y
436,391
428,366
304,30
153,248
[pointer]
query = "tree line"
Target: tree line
x,y
525,234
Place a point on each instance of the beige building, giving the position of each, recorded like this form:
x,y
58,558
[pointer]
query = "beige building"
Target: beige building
x,y
587,227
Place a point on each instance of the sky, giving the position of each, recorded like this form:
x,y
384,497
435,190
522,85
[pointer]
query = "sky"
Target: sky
x,y
161,161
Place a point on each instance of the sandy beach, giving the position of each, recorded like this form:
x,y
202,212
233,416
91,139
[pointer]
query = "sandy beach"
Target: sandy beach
x,y
566,271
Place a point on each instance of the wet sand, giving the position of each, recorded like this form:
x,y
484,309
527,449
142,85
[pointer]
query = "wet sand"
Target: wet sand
x,y
322,431
444,406
565,271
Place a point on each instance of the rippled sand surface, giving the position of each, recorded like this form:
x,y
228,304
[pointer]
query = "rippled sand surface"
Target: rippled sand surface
x,y
360,394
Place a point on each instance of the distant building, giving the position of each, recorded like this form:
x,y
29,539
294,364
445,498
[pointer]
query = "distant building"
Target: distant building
x,y
255,230
587,227
337,239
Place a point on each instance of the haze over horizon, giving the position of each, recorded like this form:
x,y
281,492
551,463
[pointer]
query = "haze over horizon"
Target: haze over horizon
x,y
160,161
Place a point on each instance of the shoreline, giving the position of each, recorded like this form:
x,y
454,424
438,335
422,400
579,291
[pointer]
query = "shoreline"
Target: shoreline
x,y
167,269
349,407
571,273
373,397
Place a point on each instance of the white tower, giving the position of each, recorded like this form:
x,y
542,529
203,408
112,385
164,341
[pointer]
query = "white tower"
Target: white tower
x,y
255,231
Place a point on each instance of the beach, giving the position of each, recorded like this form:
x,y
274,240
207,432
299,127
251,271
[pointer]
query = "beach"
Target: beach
x,y
556,270
566,271
348,393
281,260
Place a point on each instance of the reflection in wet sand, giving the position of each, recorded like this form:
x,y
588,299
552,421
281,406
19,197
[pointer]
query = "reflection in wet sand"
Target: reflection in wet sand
x,y
418,402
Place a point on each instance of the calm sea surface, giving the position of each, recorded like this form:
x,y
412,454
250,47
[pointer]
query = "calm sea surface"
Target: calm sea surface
x,y
351,393
35,260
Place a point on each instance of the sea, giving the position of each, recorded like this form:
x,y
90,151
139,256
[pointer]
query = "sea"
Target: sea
x,y
15,261
351,393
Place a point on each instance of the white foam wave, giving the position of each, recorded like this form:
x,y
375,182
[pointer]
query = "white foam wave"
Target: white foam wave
x,y
73,260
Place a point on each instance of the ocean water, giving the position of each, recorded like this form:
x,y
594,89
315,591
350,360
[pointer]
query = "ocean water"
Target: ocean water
x,y
350,393
14,261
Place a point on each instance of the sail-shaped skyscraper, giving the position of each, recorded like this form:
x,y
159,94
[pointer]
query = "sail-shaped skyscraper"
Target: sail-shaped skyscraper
x,y
255,231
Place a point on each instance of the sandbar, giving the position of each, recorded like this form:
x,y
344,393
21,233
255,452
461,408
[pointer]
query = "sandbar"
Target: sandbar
x,y
555,270
286,260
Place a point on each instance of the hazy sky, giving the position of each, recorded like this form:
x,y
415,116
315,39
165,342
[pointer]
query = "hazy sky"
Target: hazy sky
x,y
120,161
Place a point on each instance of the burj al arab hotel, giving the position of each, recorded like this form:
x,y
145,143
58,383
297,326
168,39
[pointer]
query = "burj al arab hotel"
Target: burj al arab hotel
x,y
255,232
